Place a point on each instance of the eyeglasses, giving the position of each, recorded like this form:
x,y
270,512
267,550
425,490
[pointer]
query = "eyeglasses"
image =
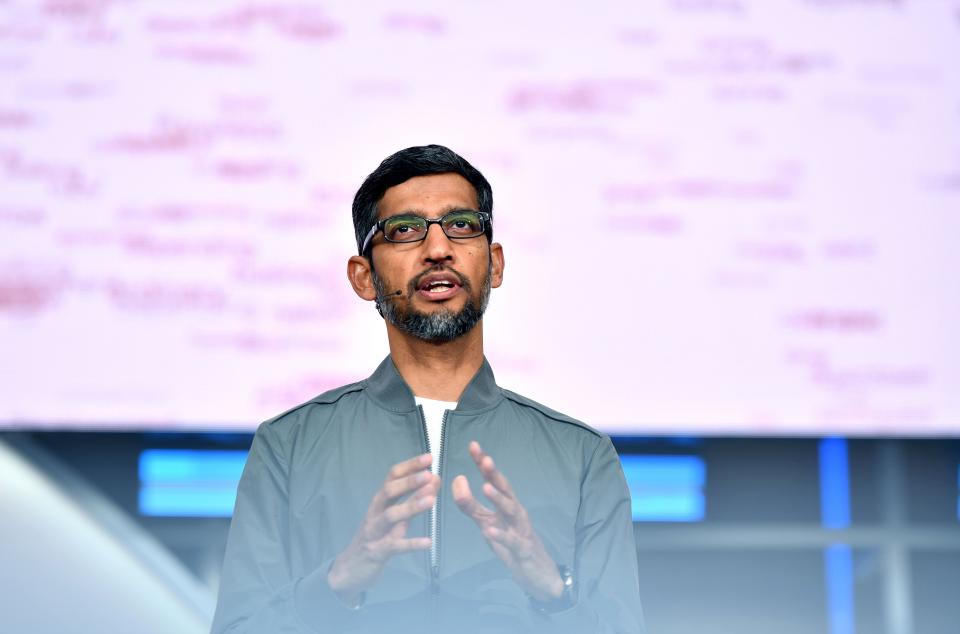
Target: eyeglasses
x,y
458,224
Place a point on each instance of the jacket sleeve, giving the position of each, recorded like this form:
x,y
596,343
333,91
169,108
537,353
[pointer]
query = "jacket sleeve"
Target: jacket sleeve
x,y
258,592
607,587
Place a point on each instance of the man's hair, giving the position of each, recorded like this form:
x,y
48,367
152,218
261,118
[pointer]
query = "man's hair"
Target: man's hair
x,y
404,165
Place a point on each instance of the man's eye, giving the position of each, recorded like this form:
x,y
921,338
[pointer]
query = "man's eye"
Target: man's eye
x,y
401,230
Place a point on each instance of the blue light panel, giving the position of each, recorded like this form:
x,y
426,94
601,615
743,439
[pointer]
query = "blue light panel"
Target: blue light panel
x,y
665,488
838,559
834,483
835,514
189,482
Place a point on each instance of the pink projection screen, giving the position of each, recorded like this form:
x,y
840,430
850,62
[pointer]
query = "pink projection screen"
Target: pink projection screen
x,y
718,216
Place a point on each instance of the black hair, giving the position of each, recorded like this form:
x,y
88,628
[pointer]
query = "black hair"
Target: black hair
x,y
404,165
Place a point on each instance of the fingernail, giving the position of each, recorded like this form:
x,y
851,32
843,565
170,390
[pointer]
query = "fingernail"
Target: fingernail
x,y
426,502
422,477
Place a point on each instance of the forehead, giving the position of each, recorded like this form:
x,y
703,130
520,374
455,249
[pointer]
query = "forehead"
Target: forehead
x,y
430,195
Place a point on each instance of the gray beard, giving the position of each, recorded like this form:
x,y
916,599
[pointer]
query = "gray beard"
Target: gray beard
x,y
438,327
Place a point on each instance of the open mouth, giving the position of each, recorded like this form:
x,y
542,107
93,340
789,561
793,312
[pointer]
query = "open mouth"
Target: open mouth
x,y
438,286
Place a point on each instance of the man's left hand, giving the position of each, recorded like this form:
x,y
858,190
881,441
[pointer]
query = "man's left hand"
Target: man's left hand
x,y
508,529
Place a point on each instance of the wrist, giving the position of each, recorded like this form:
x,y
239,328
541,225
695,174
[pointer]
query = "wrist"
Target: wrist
x,y
560,596
350,597
551,591
557,588
334,579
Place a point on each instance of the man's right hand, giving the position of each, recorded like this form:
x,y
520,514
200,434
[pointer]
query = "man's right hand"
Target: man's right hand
x,y
383,532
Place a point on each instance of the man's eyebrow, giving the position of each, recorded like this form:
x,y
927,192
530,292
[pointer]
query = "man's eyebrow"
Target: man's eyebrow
x,y
443,210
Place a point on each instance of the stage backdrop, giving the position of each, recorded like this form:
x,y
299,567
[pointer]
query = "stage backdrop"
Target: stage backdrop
x,y
719,216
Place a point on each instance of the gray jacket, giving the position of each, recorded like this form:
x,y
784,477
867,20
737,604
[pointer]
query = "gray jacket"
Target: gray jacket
x,y
313,470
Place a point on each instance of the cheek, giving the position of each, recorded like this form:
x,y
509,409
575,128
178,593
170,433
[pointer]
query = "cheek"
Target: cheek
x,y
391,268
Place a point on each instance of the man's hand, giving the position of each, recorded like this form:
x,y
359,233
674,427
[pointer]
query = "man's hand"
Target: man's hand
x,y
383,531
508,530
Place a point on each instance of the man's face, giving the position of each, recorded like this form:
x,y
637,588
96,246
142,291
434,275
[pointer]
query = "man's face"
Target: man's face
x,y
445,283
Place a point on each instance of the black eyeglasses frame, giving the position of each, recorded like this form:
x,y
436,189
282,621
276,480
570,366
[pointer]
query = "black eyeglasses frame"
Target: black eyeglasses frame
x,y
378,227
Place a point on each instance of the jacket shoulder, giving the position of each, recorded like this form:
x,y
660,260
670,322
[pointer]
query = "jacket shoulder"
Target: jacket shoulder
x,y
548,412
327,398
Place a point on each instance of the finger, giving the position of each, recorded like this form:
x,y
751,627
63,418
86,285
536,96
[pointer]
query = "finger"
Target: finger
x,y
489,470
396,546
387,546
393,489
381,521
381,516
412,507
465,500
398,472
399,530
476,451
506,505
405,468
492,475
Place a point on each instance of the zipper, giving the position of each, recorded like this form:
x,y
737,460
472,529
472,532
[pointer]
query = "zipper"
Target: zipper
x,y
429,527
435,519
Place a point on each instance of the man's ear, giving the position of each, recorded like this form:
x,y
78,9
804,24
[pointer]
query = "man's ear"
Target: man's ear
x,y
496,265
359,273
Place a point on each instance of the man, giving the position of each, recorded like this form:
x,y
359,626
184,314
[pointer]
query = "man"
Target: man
x,y
379,507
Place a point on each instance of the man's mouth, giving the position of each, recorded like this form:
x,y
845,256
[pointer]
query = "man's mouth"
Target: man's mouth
x,y
438,286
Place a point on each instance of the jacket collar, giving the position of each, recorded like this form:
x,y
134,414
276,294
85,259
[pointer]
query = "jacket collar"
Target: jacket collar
x,y
388,389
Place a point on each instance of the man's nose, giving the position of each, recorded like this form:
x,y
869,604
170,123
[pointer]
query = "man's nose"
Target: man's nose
x,y
437,246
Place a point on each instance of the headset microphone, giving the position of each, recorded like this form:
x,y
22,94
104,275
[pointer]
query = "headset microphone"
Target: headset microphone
x,y
393,294
380,298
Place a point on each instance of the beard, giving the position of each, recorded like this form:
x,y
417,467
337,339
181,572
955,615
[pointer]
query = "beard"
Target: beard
x,y
440,326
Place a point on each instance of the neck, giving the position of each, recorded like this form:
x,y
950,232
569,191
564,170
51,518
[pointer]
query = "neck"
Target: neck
x,y
437,371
